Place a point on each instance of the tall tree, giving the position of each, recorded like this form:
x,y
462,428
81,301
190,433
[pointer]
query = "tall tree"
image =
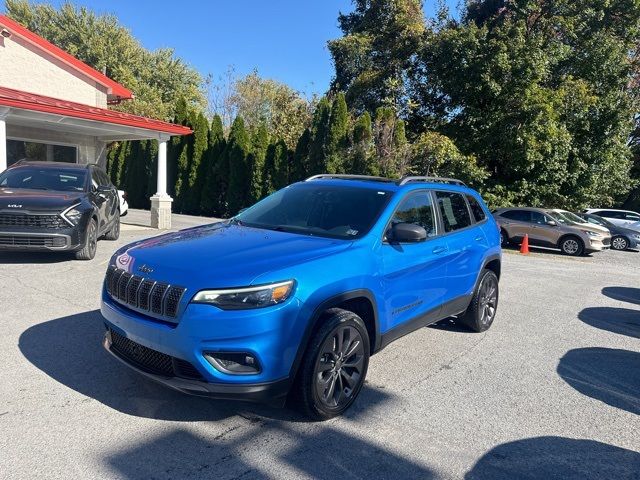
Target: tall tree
x,y
363,161
372,58
259,145
195,175
337,135
214,184
319,134
540,93
300,163
237,153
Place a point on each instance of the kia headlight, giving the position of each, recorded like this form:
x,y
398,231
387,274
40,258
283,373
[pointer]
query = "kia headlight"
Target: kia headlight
x,y
72,215
246,297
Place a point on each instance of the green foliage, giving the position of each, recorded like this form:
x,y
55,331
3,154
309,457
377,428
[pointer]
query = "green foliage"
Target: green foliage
x,y
198,162
158,78
363,160
319,135
213,196
276,168
337,135
240,175
372,58
300,165
259,145
540,93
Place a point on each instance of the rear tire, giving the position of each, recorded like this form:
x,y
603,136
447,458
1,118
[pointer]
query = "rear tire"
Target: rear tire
x,y
482,310
88,251
572,246
504,238
114,233
334,366
619,243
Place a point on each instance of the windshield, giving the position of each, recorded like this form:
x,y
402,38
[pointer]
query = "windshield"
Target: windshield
x,y
323,210
560,218
66,180
572,216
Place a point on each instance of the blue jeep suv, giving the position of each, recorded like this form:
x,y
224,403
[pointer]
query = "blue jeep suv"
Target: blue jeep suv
x,y
289,298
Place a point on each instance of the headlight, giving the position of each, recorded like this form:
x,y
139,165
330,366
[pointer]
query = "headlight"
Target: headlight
x,y
246,298
592,234
72,215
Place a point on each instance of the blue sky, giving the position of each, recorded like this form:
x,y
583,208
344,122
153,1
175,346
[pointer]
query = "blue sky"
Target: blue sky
x,y
284,39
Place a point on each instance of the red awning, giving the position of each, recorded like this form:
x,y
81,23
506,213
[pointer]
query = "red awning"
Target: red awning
x,y
40,103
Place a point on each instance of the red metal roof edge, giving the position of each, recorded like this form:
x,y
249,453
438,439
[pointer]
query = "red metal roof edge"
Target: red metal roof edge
x,y
115,88
40,103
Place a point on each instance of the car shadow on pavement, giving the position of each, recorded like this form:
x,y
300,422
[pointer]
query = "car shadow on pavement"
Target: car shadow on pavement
x,y
248,451
617,320
69,350
556,458
624,294
609,375
15,258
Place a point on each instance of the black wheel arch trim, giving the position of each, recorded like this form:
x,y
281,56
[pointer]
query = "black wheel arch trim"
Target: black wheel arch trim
x,y
333,302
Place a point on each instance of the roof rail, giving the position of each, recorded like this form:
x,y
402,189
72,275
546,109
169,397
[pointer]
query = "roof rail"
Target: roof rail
x,y
453,181
328,176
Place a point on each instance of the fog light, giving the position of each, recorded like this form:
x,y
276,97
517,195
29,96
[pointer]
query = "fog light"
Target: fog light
x,y
234,363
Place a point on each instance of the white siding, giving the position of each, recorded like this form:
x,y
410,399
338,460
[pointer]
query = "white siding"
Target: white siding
x,y
24,67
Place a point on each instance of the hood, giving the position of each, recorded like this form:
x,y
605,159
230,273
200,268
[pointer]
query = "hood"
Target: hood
x,y
221,255
33,201
593,228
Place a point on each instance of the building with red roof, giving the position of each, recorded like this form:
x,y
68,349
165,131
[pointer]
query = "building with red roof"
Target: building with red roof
x,y
54,107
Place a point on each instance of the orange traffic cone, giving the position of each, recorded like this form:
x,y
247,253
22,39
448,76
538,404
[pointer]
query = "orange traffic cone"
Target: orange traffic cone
x,y
524,247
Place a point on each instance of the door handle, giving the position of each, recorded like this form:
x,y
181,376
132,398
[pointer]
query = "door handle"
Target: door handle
x,y
437,250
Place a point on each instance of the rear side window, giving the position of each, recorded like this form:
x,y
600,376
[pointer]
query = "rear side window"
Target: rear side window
x,y
609,214
417,208
454,211
517,215
632,216
476,209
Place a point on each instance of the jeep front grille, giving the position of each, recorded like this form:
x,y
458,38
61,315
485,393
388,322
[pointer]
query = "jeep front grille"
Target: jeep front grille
x,y
160,299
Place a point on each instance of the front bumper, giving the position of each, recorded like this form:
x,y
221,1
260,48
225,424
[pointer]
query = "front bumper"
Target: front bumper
x,y
272,335
269,392
41,239
598,244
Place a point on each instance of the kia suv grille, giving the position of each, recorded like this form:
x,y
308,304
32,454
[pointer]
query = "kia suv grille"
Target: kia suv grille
x,y
160,299
36,221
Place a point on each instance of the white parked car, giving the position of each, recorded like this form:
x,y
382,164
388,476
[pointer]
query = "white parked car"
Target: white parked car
x,y
124,206
622,218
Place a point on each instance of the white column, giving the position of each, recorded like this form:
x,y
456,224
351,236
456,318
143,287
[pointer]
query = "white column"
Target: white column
x,y
161,201
3,138
162,169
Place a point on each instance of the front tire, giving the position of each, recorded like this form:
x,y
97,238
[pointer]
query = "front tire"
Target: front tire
x,y
88,251
572,246
334,366
484,304
619,243
504,238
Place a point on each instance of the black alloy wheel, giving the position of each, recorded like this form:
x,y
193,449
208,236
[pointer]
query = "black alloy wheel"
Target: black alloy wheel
x,y
340,367
482,309
88,251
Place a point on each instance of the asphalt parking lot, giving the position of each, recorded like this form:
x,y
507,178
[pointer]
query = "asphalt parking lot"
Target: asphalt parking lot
x,y
552,390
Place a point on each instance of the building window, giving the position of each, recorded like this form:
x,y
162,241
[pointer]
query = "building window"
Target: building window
x,y
20,149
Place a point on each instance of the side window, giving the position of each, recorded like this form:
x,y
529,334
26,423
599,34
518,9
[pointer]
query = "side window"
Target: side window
x,y
610,214
538,218
454,211
95,178
517,215
634,217
476,209
417,208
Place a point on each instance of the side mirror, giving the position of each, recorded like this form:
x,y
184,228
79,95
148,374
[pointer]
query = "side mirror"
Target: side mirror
x,y
407,233
552,223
